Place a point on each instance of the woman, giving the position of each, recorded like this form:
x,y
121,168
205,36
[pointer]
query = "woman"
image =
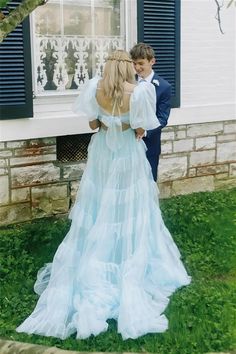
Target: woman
x,y
118,260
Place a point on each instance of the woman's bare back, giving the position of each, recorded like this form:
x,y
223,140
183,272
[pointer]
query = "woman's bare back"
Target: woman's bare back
x,y
106,102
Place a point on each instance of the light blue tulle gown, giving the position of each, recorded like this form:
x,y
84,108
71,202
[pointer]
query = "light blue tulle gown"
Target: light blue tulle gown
x,y
118,259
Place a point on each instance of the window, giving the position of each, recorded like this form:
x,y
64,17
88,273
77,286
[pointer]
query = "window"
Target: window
x,y
72,40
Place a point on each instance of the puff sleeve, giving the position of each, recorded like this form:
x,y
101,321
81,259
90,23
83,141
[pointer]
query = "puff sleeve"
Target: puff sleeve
x,y
143,107
86,103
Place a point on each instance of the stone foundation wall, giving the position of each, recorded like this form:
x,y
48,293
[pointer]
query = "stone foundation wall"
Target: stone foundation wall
x,y
33,184
197,157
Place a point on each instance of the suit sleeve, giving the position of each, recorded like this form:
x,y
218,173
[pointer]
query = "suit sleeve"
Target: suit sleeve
x,y
163,110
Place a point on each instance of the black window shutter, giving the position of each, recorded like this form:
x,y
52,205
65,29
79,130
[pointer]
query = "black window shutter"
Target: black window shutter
x,y
159,26
15,72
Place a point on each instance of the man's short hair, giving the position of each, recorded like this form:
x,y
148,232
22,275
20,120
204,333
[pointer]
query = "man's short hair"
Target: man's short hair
x,y
142,51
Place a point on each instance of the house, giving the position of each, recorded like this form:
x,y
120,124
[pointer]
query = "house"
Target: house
x,y
44,63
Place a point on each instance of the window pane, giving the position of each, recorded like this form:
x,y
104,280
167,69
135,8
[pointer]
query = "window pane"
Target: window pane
x,y
47,19
77,19
72,40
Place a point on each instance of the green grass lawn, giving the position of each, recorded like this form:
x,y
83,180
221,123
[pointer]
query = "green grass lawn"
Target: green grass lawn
x,y
202,316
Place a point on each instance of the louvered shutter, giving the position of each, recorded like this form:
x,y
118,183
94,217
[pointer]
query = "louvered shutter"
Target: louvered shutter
x,y
159,26
15,72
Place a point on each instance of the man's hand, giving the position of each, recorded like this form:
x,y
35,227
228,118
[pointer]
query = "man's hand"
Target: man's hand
x,y
94,124
140,133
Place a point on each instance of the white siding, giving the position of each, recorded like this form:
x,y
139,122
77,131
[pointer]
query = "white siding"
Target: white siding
x,y
208,64
208,59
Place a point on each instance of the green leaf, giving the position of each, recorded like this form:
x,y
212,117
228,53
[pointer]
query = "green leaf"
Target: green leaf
x,y
3,3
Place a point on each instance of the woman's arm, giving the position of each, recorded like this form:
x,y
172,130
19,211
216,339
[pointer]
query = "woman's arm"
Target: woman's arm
x,y
94,124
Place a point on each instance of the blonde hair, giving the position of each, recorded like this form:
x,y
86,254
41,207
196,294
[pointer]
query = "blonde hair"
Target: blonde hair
x,y
118,69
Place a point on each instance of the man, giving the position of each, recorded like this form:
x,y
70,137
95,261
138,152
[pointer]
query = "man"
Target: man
x,y
143,57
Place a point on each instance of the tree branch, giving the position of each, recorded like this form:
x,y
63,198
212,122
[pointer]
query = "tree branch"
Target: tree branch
x,y
217,17
16,16
230,3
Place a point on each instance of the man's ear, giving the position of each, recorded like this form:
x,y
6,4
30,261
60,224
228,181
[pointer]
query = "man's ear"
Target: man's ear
x,y
152,61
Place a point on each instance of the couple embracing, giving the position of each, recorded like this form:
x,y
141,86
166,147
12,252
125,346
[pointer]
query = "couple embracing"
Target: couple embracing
x,y
118,260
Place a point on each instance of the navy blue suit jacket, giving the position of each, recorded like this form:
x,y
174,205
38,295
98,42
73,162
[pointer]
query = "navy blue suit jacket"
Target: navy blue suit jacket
x,y
153,137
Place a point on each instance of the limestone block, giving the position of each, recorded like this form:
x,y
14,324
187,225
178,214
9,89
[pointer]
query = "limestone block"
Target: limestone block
x,y
168,129
42,142
183,145
38,150
226,152
192,185
182,127
165,189
15,213
36,174
50,199
192,172
5,153
29,160
167,135
4,190
212,170
20,195
52,191
205,129
198,158
221,176
180,134
3,171
16,144
166,147
74,187
3,162
172,168
232,169
206,143
230,128
225,183
226,137
3,167
49,141
73,171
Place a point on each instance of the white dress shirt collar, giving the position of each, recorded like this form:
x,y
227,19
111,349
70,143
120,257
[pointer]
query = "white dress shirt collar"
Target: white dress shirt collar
x,y
148,78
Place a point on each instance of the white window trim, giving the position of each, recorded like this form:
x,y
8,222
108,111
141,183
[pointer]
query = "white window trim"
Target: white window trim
x,y
51,125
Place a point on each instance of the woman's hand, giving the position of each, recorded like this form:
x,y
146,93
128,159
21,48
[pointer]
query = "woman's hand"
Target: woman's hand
x,y
94,124
139,132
